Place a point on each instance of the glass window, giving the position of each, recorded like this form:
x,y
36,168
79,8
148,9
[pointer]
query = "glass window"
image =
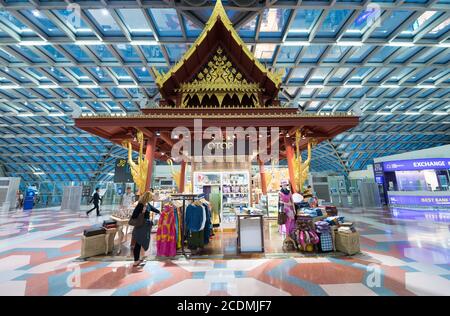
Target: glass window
x,y
176,51
273,22
135,21
127,52
121,74
313,53
42,22
382,54
333,22
380,75
407,53
439,30
142,74
423,20
320,74
365,19
15,24
153,53
303,22
102,52
288,54
360,54
299,74
52,52
340,74
105,22
431,52
335,54
72,18
100,74
391,23
166,21
265,51
248,29
28,53
8,56
80,75
192,29
76,52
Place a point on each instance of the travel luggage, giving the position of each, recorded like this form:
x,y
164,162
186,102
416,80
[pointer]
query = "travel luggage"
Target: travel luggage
x,y
331,210
93,231
326,242
347,243
109,223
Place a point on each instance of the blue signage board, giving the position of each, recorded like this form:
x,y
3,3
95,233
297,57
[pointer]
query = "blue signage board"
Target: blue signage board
x,y
417,164
29,199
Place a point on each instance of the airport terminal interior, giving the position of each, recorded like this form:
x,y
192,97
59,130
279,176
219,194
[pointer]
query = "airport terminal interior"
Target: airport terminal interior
x,y
225,148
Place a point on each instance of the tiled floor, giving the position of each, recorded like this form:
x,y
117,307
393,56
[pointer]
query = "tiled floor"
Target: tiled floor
x,y
402,254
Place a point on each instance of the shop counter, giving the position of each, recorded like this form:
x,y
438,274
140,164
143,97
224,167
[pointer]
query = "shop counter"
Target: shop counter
x,y
250,231
420,199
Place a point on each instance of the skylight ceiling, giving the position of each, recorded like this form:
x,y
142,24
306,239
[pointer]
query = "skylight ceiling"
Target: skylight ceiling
x,y
387,61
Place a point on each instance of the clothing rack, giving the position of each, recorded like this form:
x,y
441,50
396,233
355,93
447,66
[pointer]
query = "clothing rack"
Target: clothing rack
x,y
185,197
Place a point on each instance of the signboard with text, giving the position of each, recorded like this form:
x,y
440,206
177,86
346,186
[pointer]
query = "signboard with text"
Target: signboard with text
x,y
122,172
419,200
417,164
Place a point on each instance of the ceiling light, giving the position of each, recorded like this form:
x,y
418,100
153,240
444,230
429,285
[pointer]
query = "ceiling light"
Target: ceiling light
x,y
401,44
6,69
56,114
36,13
158,133
175,137
143,68
25,114
104,12
37,173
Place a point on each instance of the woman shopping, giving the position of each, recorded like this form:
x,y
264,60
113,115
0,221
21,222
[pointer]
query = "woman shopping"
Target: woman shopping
x,y
140,219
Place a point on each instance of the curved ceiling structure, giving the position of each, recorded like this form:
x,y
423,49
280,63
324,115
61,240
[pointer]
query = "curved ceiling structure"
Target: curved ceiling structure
x,y
387,61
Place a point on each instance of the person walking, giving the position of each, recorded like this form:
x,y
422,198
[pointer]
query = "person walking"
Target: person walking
x,y
141,233
96,199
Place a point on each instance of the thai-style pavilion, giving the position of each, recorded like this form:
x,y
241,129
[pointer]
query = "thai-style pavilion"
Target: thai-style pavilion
x,y
219,81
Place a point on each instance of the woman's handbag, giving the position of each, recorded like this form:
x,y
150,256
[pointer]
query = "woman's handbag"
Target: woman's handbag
x,y
282,217
138,221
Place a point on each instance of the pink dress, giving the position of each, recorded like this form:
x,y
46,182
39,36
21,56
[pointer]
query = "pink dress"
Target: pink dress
x,y
288,208
166,243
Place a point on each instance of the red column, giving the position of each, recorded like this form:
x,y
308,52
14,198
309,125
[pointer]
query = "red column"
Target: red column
x,y
262,174
149,155
290,161
182,176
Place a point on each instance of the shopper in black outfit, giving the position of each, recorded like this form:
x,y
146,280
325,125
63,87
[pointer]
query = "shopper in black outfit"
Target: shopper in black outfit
x,y
96,199
141,234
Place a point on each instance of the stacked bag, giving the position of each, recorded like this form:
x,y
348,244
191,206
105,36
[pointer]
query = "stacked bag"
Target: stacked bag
x,y
304,234
326,240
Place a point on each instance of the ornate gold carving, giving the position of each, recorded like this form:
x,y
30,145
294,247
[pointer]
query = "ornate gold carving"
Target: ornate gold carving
x,y
139,169
219,78
218,14
175,174
301,169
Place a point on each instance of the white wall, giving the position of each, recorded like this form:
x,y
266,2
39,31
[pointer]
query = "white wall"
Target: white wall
x,y
435,152
362,174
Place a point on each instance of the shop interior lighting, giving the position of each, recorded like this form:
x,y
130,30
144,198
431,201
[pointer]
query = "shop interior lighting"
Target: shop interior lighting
x,y
158,133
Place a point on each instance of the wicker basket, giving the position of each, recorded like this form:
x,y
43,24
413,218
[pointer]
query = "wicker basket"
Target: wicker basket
x,y
347,243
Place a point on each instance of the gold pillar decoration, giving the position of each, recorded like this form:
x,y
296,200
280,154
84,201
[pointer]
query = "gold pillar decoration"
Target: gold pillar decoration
x,y
175,174
139,169
301,169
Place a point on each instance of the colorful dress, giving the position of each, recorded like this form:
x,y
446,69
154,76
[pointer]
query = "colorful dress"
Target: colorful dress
x,y
288,209
166,243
